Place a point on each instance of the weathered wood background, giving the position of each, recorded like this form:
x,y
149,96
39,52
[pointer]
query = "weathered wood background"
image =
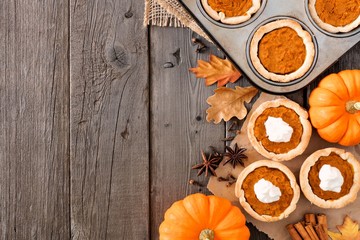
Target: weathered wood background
x,y
97,138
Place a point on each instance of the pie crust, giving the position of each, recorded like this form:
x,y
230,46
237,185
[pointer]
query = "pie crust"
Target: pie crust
x,y
240,193
307,40
329,27
307,190
220,16
305,138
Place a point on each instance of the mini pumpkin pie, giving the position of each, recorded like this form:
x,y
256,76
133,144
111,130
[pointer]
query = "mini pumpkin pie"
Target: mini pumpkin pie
x,y
279,129
335,15
282,50
267,190
330,178
231,11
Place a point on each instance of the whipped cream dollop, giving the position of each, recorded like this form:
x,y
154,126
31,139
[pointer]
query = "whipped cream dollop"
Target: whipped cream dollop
x,y
266,192
331,178
277,130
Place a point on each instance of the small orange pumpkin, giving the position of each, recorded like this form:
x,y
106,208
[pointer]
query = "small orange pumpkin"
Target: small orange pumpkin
x,y
200,217
335,108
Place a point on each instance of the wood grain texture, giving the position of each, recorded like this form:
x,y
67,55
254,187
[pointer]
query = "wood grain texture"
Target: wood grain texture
x,y
109,120
179,130
34,126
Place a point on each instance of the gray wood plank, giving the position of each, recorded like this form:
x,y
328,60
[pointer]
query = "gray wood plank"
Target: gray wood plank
x,y
109,120
34,126
179,130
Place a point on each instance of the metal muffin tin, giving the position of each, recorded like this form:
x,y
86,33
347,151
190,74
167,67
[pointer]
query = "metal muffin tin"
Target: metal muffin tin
x,y
234,40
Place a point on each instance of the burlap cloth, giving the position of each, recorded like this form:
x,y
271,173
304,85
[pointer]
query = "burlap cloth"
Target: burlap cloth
x,y
169,13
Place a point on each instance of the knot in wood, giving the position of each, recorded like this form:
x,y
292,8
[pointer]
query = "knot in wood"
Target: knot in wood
x,y
117,56
128,14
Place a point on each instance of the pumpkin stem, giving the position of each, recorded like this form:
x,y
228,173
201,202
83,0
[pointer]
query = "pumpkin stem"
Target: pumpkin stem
x,y
353,107
357,105
207,234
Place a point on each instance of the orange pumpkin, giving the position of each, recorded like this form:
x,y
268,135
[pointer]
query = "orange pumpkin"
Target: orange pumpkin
x,y
200,217
335,107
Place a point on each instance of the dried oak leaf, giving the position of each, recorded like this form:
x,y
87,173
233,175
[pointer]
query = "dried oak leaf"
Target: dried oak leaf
x,y
217,70
348,231
227,103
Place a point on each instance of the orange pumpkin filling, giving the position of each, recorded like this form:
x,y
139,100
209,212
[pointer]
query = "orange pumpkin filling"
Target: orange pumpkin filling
x,y
231,8
290,117
276,177
338,12
282,51
344,167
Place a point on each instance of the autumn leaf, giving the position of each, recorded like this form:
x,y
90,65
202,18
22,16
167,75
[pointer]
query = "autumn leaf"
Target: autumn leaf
x,y
217,70
227,103
348,231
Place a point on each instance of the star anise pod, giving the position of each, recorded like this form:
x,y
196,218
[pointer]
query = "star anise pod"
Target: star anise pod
x,y
209,164
235,156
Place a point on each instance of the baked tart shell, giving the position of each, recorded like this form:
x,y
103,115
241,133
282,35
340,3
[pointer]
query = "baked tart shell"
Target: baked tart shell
x,y
240,193
307,40
307,190
220,16
328,27
305,138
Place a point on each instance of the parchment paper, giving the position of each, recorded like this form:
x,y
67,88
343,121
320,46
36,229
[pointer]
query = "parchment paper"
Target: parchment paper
x,y
277,230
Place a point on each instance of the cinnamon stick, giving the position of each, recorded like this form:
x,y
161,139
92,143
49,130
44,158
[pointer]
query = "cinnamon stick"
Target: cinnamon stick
x,y
300,228
293,233
310,230
322,221
310,218
320,232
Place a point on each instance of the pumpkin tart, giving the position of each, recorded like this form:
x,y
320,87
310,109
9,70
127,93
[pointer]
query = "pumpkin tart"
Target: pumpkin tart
x,y
282,50
336,15
330,178
279,129
231,11
267,190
